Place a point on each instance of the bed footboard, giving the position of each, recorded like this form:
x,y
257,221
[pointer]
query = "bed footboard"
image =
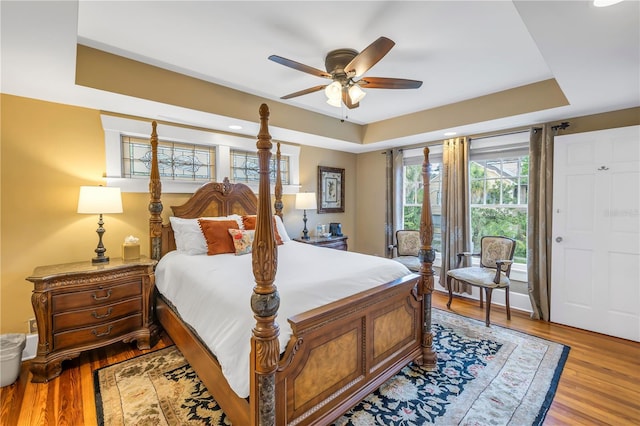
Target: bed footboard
x,y
341,352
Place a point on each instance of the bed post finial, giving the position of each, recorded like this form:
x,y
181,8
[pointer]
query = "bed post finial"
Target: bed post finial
x,y
427,255
155,204
265,300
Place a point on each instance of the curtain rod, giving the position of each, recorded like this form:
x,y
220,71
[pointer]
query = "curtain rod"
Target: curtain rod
x,y
560,126
500,134
555,128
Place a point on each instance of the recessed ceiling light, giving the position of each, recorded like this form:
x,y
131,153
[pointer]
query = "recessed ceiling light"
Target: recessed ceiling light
x,y
235,127
450,133
605,3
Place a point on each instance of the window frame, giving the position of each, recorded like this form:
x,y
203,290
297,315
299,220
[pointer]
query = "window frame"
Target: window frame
x,y
114,127
506,146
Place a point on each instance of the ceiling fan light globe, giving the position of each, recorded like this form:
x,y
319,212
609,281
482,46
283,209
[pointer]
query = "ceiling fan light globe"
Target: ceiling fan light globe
x,y
356,94
335,102
333,90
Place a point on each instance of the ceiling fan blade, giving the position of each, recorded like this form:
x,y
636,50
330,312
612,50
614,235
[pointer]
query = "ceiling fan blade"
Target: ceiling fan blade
x,y
298,66
369,56
388,83
303,92
346,99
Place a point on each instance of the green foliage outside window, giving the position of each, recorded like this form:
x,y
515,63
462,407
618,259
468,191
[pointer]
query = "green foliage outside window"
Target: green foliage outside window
x,y
499,191
498,198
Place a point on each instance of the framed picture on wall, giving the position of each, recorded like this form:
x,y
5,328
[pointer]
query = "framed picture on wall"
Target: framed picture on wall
x,y
330,190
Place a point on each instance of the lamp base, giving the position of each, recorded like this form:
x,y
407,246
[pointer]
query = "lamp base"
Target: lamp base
x,y
100,259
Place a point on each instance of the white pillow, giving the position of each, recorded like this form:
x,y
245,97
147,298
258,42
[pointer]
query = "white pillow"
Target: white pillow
x,y
188,235
281,229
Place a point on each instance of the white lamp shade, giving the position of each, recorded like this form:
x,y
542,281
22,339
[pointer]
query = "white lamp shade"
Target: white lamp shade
x,y
334,94
306,200
356,94
335,102
99,199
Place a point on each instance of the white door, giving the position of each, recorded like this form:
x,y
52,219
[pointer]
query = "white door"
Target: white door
x,y
595,269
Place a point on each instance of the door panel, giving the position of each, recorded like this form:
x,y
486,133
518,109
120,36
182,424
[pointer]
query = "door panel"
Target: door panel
x,y
595,278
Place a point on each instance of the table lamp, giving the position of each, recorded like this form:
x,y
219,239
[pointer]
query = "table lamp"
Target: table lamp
x,y
99,200
305,201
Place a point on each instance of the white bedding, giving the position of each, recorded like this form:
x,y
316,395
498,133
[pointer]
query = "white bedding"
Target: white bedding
x,y
212,294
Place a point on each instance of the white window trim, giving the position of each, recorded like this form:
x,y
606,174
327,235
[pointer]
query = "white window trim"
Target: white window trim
x,y
114,127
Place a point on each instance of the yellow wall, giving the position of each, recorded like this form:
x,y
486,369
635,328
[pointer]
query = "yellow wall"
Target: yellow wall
x,y
48,151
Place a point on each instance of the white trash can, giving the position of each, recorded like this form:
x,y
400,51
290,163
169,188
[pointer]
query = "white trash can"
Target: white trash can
x,y
11,347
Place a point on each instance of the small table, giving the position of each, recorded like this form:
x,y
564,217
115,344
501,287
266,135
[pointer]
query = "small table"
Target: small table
x,y
338,243
81,306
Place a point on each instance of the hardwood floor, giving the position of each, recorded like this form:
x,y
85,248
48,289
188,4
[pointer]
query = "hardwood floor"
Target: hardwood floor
x,y
600,383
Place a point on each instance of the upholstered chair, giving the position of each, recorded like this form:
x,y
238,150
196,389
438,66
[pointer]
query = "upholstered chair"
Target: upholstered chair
x,y
407,247
496,257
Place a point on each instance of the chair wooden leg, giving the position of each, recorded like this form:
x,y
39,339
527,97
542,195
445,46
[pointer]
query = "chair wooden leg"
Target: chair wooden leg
x,y
450,292
481,298
506,295
489,291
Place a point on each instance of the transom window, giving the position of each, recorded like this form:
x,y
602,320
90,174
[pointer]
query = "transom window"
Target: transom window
x,y
245,166
177,161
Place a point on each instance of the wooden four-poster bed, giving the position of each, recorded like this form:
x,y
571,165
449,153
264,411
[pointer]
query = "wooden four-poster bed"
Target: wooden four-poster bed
x,y
337,354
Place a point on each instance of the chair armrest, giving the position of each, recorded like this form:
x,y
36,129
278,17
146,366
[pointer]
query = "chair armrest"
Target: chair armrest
x,y
499,264
464,254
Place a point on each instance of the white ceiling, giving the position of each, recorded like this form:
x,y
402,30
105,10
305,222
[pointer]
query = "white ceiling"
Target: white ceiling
x,y
459,49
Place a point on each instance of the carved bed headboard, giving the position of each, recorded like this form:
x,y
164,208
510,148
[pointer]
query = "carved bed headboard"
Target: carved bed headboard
x,y
210,200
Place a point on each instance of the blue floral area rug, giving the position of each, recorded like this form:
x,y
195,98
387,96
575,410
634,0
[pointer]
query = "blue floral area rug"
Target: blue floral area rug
x,y
484,376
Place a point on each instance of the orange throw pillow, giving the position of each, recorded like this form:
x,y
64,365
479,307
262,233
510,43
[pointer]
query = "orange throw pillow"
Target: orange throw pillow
x,y
249,222
216,233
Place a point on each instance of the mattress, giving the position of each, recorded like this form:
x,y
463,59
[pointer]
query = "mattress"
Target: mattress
x,y
212,294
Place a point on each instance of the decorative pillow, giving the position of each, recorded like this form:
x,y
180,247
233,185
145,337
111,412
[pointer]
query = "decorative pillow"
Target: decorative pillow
x,y
281,229
217,235
242,240
249,223
188,235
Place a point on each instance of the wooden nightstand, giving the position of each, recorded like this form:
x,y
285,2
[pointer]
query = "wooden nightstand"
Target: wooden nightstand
x,y
81,306
338,243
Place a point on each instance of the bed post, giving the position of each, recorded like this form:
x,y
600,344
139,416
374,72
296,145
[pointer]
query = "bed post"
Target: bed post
x,y
427,256
278,189
155,204
265,301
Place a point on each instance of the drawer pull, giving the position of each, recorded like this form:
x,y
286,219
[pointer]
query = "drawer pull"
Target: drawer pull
x,y
95,296
96,316
106,333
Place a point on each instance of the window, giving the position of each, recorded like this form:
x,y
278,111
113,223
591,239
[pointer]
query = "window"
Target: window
x,y
413,191
244,167
176,161
188,157
499,190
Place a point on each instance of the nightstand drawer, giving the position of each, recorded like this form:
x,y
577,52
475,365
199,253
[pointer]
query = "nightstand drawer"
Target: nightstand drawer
x,y
338,245
95,315
98,333
97,296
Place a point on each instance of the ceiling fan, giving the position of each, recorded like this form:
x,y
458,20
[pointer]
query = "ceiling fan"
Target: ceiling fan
x,y
346,67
